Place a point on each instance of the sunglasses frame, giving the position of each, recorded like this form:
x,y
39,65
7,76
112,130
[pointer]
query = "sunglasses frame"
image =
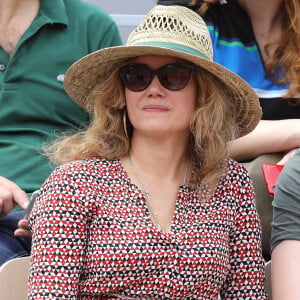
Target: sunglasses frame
x,y
157,72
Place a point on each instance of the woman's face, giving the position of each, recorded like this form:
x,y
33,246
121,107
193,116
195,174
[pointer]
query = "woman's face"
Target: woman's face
x,y
157,110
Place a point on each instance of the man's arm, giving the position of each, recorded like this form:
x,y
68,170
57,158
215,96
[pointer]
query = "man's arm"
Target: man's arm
x,y
11,195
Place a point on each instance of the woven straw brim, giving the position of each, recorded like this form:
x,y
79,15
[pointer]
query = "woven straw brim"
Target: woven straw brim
x,y
86,74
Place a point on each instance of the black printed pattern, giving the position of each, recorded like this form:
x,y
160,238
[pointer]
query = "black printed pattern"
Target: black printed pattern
x,y
93,239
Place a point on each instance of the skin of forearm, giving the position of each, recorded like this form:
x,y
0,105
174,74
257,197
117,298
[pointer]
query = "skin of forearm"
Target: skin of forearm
x,y
286,270
267,137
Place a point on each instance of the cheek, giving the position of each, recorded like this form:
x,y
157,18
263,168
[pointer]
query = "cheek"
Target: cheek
x,y
192,96
190,101
131,99
127,94
189,110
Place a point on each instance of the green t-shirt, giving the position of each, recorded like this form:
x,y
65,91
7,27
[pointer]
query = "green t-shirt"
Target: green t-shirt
x,y
34,107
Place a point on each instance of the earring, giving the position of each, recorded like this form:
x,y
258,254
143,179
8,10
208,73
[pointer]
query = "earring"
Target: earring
x,y
125,122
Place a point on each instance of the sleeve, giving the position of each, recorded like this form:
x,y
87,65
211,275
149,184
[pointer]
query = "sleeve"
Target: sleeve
x,y
59,225
286,203
245,278
111,36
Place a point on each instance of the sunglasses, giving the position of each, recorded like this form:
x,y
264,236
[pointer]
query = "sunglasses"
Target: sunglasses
x,y
174,77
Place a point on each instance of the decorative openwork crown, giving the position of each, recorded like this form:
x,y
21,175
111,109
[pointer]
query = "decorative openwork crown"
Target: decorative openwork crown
x,y
167,24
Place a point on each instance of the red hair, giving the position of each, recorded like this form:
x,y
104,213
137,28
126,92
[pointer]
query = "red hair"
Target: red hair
x,y
286,56
287,53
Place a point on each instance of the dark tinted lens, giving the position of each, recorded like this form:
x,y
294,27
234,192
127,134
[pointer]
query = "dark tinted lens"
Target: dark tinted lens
x,y
175,76
136,77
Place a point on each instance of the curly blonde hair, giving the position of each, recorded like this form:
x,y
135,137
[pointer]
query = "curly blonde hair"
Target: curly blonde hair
x,y
104,137
213,124
286,56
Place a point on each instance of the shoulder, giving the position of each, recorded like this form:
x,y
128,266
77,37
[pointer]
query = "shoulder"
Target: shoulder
x,y
83,179
235,190
291,170
79,7
79,11
286,203
287,189
235,184
235,171
94,173
95,168
93,24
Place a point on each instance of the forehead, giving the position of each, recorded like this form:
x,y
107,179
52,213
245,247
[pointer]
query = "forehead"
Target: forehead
x,y
156,60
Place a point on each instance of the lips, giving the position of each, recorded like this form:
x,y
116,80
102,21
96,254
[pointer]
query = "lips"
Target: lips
x,y
155,108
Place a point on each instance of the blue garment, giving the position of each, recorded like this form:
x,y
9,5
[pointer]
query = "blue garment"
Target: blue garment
x,y
235,47
11,246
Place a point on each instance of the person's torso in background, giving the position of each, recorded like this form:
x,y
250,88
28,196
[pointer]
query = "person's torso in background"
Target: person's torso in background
x,y
235,47
34,105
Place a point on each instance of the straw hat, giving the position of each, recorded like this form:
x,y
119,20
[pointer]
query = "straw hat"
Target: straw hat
x,y
165,30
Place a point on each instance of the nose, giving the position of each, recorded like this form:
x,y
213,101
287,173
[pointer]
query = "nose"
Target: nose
x,y
155,88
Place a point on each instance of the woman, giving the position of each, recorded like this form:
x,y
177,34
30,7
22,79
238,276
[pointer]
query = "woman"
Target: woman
x,y
147,206
260,41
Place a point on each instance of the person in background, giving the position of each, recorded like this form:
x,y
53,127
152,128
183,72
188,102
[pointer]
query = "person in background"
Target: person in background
x,y
260,41
39,41
285,241
146,203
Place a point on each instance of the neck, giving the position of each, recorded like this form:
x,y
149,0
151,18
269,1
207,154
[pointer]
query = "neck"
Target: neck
x,y
265,8
266,19
265,13
13,8
160,157
15,18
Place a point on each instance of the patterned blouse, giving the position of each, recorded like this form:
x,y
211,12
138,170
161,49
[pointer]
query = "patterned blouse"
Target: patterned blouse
x,y
93,239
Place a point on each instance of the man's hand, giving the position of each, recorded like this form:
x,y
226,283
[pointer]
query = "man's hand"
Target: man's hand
x,y
23,230
11,195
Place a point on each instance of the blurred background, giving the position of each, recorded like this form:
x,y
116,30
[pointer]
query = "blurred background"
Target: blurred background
x,y
126,13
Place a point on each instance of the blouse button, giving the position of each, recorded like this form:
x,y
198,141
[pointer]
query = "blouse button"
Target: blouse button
x,y
2,67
